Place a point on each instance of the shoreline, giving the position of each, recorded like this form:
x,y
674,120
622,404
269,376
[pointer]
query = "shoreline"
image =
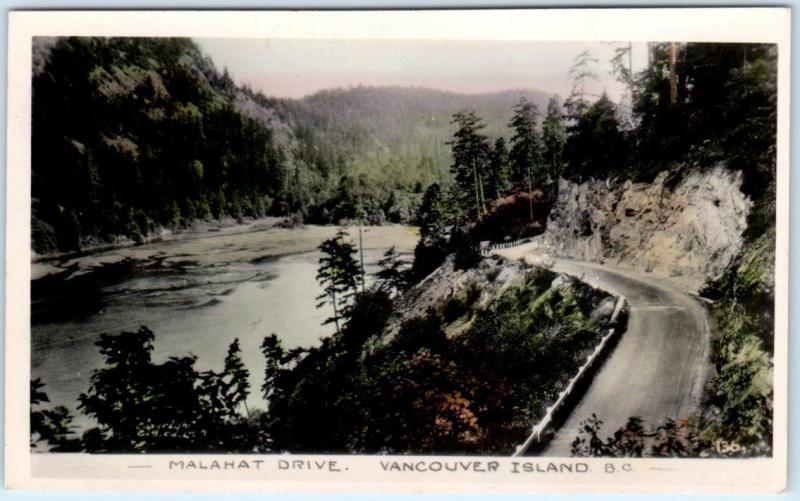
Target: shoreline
x,y
234,240
197,229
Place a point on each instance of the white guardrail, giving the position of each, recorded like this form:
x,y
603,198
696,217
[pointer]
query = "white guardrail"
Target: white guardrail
x,y
487,247
599,351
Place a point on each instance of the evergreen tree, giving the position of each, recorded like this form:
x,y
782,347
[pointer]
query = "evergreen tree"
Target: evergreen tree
x,y
724,109
52,427
430,210
142,406
391,275
233,382
526,148
131,133
596,147
526,145
622,65
622,69
581,73
470,161
499,175
554,136
338,273
273,353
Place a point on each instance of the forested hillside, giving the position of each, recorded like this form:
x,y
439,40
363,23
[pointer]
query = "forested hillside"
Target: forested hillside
x,y
133,135
367,152
386,132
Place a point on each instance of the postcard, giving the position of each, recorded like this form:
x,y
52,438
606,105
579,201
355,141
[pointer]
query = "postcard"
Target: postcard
x,y
398,251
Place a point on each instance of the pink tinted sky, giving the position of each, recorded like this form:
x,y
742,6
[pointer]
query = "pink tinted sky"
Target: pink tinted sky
x,y
298,67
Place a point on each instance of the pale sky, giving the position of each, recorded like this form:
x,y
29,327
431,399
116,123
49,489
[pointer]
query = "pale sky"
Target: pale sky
x,y
298,67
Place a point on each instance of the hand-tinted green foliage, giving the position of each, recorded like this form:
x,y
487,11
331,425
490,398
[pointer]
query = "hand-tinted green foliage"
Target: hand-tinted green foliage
x,y
470,167
499,167
394,135
390,140
429,253
465,249
419,392
142,406
435,216
526,146
129,134
672,439
740,397
536,335
359,199
554,139
432,211
422,392
444,215
454,220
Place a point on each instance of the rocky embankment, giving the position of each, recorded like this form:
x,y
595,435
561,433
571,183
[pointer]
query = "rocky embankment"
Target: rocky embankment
x,y
689,232
475,287
461,296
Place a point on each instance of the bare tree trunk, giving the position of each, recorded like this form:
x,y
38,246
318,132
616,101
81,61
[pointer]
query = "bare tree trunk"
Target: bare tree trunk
x,y
335,311
673,76
630,70
630,60
483,196
530,193
361,251
477,194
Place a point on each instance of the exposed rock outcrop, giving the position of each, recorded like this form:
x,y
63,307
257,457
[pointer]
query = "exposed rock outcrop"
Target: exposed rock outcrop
x,y
689,232
477,286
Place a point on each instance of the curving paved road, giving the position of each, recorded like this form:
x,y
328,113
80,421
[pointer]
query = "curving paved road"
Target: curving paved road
x,y
657,370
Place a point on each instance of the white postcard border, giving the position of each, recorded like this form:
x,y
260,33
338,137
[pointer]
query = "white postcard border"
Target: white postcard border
x,y
113,472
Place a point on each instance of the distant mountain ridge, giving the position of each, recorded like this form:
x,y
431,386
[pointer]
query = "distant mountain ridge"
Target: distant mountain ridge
x,y
401,128
414,103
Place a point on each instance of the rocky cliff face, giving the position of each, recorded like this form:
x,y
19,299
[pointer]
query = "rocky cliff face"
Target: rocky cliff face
x,y
689,232
475,288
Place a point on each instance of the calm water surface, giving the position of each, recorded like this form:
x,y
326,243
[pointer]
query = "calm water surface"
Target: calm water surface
x,y
196,294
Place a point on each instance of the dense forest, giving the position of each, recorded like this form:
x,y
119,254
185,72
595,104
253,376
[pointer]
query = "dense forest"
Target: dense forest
x,y
133,135
693,107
